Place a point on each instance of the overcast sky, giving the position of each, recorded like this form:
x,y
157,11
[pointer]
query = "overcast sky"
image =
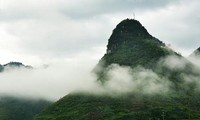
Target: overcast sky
x,y
39,32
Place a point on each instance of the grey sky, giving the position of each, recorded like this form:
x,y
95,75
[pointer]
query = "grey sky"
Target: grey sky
x,y
37,32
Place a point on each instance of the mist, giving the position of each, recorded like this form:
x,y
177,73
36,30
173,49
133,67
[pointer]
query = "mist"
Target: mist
x,y
124,79
63,77
50,81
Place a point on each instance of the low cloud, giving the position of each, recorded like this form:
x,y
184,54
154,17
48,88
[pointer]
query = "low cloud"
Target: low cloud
x,y
50,82
121,79
63,77
162,79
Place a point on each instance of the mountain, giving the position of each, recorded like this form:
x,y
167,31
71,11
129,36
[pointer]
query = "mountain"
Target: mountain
x,y
196,53
13,65
130,45
1,68
19,108
16,108
198,49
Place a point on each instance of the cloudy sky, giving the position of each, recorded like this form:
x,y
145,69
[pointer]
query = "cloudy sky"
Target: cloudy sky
x,y
39,32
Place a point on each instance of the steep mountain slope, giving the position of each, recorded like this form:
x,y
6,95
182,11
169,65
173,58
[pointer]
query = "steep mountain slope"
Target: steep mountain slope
x,y
198,49
131,45
196,53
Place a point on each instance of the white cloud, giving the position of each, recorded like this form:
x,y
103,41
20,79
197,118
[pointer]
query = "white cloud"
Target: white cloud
x,y
176,25
63,77
52,82
39,32
123,79
56,28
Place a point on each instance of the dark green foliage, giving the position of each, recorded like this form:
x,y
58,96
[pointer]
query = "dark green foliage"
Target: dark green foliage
x,y
12,108
198,49
131,45
16,108
135,107
126,29
1,68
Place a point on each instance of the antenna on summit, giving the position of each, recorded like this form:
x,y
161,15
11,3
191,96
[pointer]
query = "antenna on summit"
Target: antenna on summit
x,y
133,15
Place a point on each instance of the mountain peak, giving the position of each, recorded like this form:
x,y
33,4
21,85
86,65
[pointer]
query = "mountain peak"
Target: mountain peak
x,y
126,30
196,52
132,26
131,45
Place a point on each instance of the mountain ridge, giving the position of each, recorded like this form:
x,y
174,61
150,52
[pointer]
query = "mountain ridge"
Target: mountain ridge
x,y
130,46
14,65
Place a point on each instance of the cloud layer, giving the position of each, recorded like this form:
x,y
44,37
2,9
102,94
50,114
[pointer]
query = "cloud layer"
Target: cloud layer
x,y
72,36
59,79
49,81
36,30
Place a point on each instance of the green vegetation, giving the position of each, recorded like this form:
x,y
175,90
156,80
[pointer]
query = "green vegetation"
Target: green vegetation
x,y
19,108
133,107
12,108
1,68
131,45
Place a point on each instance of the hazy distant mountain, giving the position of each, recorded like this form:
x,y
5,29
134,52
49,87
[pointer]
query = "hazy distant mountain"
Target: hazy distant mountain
x,y
19,108
14,65
131,45
1,68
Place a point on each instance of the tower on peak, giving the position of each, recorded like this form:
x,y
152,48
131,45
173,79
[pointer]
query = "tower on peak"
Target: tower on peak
x,y
134,15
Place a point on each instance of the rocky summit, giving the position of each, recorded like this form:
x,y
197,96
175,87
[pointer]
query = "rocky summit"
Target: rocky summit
x,y
130,44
